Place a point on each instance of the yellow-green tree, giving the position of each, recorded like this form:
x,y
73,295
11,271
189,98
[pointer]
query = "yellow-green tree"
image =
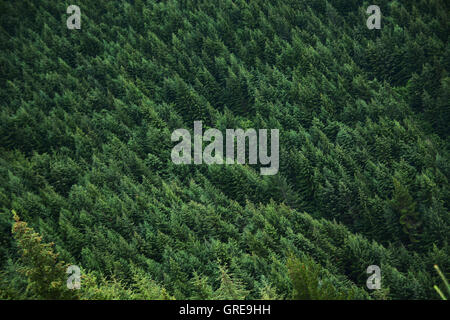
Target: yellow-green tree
x,y
46,274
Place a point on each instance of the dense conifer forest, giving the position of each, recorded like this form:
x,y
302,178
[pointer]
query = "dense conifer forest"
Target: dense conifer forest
x,y
86,176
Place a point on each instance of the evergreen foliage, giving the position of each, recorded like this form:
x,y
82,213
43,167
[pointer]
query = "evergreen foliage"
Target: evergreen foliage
x,y
86,118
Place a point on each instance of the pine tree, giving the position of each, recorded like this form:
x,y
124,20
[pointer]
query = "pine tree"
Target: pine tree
x,y
46,275
405,208
230,288
203,291
309,283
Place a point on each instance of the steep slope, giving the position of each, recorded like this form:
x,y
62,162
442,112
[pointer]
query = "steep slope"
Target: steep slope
x,y
87,115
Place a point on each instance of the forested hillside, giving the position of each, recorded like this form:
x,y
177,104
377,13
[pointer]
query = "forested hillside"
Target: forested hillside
x,y
86,118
